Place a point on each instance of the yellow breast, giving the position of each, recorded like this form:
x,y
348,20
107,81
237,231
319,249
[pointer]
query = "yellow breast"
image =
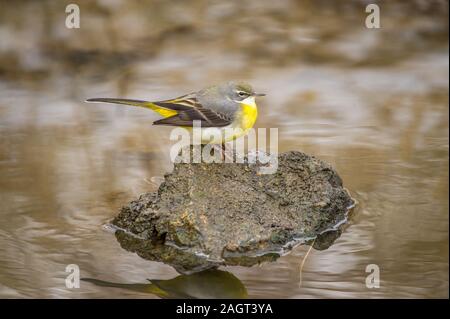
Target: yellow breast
x,y
249,113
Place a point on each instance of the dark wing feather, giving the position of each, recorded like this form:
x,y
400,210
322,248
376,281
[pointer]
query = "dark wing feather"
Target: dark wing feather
x,y
181,103
207,118
190,110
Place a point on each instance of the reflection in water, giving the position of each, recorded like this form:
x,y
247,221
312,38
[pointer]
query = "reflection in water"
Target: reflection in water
x,y
373,103
216,284
182,261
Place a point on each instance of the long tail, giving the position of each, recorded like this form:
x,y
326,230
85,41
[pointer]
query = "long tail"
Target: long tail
x,y
149,105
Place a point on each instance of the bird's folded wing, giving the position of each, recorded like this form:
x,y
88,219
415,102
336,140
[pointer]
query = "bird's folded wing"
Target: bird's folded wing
x,y
206,117
190,110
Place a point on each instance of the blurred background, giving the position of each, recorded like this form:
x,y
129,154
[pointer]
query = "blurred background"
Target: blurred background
x,y
372,102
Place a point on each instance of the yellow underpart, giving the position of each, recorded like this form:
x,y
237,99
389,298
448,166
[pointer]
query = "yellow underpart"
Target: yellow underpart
x,y
248,116
160,110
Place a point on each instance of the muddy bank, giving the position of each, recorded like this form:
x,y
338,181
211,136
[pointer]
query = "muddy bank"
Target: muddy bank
x,y
206,215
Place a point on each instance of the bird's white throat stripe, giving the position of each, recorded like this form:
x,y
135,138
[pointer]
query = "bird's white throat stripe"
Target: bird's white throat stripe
x,y
250,101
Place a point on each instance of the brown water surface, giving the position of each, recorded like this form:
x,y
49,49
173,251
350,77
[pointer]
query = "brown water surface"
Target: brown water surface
x,y
372,102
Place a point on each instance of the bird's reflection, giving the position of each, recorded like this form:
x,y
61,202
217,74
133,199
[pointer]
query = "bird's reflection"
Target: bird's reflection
x,y
211,283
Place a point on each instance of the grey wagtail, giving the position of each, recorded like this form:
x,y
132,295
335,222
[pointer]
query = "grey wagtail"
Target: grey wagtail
x,y
226,106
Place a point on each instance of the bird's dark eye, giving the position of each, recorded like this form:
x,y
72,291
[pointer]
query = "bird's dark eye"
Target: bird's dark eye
x,y
242,94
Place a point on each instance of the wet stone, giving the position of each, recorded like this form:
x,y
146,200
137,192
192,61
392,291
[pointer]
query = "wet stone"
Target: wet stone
x,y
205,215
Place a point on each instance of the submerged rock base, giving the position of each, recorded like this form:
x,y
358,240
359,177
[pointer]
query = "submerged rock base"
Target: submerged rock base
x,y
206,215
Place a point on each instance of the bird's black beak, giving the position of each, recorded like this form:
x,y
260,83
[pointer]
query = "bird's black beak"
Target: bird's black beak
x,y
259,94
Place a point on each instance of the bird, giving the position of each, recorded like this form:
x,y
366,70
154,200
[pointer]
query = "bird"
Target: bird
x,y
230,105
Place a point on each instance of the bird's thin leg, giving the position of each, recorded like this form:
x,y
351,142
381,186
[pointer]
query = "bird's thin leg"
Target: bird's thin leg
x,y
217,150
223,152
225,155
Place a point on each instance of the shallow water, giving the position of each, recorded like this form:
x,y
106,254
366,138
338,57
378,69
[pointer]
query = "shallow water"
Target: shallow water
x,y
373,103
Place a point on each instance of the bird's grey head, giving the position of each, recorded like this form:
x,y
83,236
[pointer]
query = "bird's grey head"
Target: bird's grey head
x,y
226,97
238,91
